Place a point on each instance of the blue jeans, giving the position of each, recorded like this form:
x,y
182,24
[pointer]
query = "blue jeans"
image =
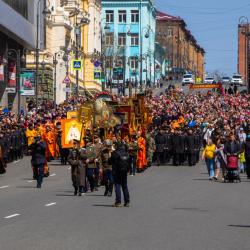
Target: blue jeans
x,y
121,183
39,173
133,164
109,181
210,167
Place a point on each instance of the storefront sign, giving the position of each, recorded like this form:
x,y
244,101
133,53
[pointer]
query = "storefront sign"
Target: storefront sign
x,y
1,72
27,83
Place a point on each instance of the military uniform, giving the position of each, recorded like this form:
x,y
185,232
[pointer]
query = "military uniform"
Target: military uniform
x,y
151,147
107,171
91,155
133,149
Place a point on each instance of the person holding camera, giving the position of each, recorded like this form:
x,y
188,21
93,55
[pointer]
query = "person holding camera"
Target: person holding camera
x,y
38,159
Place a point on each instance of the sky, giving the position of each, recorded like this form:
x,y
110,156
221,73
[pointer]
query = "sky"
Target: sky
x,y
214,24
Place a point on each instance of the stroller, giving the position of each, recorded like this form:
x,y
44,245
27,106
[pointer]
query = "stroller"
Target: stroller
x,y
232,169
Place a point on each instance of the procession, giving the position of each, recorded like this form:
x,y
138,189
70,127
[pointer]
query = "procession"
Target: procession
x,y
125,138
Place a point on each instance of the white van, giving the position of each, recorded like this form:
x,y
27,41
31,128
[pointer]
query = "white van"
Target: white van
x,y
237,79
187,79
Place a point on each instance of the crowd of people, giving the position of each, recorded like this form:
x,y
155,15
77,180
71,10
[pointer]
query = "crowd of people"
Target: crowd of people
x,y
182,126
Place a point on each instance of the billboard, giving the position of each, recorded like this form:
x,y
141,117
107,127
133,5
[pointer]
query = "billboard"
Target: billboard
x,y
11,85
27,83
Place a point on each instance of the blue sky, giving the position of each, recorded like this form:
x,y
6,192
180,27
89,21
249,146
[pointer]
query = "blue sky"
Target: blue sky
x,y
214,25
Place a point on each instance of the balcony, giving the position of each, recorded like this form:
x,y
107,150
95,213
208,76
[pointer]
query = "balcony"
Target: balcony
x,y
72,6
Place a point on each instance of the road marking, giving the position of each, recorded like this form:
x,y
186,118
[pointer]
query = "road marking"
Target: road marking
x,y
50,204
69,168
52,175
16,161
11,216
31,181
2,187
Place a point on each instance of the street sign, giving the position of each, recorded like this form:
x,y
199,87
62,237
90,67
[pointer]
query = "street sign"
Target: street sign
x,y
118,70
67,80
77,64
97,64
97,74
67,90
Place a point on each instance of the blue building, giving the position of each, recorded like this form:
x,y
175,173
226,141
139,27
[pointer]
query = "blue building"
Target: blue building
x,y
128,32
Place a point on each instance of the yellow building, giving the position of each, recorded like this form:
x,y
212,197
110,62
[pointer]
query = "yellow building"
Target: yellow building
x,y
91,43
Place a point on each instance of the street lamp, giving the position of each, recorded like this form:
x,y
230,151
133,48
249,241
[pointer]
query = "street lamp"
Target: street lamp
x,y
45,12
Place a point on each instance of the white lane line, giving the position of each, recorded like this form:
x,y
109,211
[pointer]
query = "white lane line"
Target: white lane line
x,y
50,204
2,187
69,168
31,181
11,216
52,175
16,161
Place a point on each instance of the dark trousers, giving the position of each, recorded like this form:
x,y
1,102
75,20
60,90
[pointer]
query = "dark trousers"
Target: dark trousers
x,y
39,173
96,176
81,189
133,159
108,180
91,178
159,158
167,156
191,158
64,152
177,159
121,182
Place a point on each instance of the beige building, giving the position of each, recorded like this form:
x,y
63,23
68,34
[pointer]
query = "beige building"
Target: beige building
x,y
55,60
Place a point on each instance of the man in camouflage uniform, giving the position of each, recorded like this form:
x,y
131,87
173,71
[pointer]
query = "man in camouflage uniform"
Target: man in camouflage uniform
x,y
107,167
92,159
151,147
133,149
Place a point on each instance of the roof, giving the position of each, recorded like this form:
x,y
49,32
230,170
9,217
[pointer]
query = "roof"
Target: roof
x,y
161,16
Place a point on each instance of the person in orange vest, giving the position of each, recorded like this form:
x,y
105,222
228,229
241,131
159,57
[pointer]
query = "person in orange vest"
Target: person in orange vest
x,y
49,138
141,155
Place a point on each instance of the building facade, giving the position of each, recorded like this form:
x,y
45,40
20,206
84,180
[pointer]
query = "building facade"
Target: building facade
x,y
17,34
128,40
181,51
244,52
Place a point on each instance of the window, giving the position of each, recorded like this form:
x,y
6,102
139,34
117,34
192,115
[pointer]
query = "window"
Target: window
x,y
21,6
109,39
122,39
122,15
134,63
134,16
109,16
170,32
134,39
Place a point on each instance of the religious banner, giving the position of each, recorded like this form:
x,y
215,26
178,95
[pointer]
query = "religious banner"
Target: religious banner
x,y
204,86
72,114
71,130
27,83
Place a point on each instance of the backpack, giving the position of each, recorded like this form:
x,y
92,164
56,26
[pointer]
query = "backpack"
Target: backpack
x,y
123,161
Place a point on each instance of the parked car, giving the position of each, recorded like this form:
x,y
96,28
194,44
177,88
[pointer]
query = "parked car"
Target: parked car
x,y
209,80
226,80
237,79
187,79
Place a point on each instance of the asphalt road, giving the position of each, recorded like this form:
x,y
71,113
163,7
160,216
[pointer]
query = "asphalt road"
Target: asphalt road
x,y
171,208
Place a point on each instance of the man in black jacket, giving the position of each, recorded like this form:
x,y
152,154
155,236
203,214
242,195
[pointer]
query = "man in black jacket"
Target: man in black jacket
x,y
190,148
120,167
38,159
160,142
